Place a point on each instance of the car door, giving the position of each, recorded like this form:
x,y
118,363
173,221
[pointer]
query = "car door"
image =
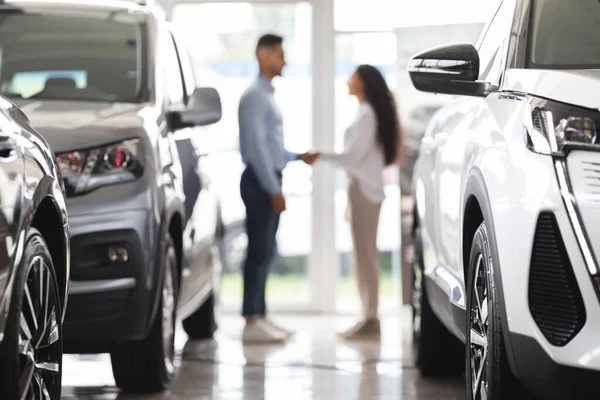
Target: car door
x,y
200,201
424,188
450,143
455,143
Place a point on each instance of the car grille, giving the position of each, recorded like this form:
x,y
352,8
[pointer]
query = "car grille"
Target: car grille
x,y
554,297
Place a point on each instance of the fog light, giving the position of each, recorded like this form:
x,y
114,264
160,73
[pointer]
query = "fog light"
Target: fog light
x,y
118,254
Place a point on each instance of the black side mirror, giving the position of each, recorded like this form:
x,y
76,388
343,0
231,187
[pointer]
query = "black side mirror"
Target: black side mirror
x,y
203,108
449,69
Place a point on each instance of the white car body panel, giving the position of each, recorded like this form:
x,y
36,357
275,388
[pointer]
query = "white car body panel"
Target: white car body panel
x,y
520,184
577,87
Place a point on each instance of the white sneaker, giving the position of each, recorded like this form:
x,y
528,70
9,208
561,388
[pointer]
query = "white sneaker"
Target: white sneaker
x,y
261,332
279,328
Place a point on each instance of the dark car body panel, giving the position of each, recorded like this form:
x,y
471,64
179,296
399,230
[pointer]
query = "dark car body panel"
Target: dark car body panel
x,y
115,303
28,178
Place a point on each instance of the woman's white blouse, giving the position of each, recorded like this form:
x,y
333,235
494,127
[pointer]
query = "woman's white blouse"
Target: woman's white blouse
x,y
362,157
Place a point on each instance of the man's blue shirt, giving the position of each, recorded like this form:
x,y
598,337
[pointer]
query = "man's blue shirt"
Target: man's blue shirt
x,y
261,135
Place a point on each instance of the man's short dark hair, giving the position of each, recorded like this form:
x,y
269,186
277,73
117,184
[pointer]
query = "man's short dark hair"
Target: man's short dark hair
x,y
268,40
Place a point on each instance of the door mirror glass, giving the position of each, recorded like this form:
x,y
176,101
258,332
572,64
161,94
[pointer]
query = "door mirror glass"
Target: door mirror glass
x,y
450,69
203,108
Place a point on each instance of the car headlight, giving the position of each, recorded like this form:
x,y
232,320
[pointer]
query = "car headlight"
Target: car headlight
x,y
555,128
87,170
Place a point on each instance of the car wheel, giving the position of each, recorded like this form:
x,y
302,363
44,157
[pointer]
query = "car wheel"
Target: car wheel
x,y
488,372
202,323
436,351
148,366
31,352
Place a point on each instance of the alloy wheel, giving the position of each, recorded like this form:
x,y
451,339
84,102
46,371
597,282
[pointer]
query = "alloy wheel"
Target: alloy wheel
x,y
40,347
478,332
168,312
416,299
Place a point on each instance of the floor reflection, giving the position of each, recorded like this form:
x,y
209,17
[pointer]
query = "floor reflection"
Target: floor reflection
x,y
313,365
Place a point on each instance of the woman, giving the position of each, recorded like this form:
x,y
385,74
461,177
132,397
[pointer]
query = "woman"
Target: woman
x,y
372,142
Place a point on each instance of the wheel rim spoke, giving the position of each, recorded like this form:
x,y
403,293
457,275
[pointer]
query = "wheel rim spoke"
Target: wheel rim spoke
x,y
477,339
26,379
483,392
478,335
43,280
39,335
50,367
29,311
168,310
52,334
40,388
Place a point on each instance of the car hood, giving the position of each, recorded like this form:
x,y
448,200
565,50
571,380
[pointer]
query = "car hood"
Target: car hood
x,y
74,125
576,87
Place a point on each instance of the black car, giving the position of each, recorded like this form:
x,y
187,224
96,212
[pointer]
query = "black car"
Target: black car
x,y
34,261
113,92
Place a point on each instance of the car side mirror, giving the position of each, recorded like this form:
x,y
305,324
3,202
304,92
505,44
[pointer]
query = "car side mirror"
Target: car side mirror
x,y
203,108
449,69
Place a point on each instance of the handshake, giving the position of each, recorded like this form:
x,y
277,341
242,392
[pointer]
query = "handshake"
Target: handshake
x,y
278,201
310,157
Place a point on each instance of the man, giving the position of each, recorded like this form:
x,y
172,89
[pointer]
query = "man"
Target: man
x,y
263,152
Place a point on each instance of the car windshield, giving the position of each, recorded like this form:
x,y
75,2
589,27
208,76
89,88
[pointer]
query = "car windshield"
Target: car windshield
x,y
565,34
84,56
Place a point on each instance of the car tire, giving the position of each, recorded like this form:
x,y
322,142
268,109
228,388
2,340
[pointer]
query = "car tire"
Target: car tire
x,y
202,324
147,366
485,350
436,351
26,366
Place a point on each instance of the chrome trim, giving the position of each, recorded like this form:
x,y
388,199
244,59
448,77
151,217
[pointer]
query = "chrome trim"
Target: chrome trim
x,y
454,288
573,212
106,285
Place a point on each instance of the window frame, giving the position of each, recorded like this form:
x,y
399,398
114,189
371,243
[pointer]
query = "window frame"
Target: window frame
x,y
166,42
182,53
504,45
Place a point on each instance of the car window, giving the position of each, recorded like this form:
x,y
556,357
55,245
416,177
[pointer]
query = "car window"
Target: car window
x,y
174,80
28,83
189,82
71,56
565,34
491,50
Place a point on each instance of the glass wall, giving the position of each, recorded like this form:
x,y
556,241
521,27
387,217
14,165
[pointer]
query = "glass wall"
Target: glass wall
x,y
221,39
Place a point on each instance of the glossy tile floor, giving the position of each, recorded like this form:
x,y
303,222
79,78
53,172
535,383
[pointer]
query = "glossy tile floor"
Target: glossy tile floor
x,y
312,365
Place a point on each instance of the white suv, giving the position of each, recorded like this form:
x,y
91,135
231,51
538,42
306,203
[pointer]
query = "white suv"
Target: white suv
x,y
507,206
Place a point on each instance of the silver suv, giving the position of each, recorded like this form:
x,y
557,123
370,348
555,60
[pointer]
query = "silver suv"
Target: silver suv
x,y
110,88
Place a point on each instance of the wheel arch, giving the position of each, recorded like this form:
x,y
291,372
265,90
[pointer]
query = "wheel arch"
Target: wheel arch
x,y
171,222
472,219
45,220
477,206
176,231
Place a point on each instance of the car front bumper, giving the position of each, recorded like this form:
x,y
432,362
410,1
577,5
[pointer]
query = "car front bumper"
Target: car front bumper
x,y
109,301
537,189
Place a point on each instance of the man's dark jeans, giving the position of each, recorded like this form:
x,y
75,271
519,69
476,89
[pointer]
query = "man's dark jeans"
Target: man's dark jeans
x,y
261,228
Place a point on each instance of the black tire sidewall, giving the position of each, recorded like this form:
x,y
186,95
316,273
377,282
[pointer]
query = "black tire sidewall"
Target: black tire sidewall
x,y
417,263
169,253
35,246
481,245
